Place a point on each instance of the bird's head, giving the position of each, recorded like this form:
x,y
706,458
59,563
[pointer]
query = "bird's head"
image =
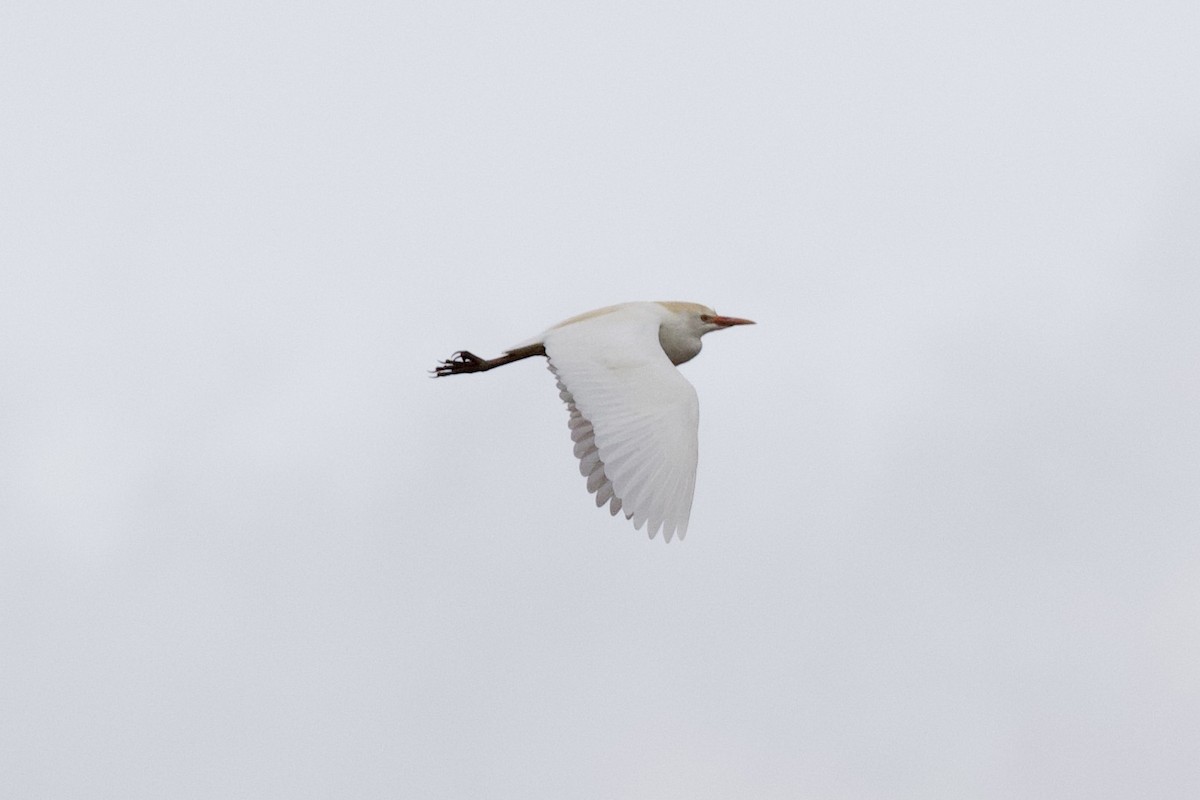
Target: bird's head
x,y
685,323
712,321
699,320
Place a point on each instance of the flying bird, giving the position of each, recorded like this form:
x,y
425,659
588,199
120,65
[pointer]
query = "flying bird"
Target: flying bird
x,y
634,417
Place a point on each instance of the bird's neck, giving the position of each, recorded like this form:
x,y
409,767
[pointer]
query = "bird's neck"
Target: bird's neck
x,y
679,345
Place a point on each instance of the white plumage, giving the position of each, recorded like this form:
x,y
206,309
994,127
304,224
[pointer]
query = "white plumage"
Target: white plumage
x,y
633,417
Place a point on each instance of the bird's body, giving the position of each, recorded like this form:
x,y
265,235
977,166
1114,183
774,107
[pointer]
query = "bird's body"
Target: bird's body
x,y
634,417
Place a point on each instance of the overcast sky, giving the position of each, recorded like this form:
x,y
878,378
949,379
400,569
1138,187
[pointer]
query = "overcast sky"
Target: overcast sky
x,y
946,535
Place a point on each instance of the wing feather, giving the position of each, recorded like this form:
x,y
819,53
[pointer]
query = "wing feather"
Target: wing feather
x,y
633,417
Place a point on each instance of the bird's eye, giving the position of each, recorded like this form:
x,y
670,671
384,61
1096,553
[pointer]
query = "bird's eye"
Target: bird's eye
x,y
705,318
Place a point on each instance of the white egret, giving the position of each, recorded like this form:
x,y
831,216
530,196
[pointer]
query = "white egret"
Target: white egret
x,y
634,417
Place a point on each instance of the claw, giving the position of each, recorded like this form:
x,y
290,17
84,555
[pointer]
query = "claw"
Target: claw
x,y
460,362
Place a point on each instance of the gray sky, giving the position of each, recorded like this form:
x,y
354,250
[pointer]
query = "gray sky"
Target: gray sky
x,y
945,538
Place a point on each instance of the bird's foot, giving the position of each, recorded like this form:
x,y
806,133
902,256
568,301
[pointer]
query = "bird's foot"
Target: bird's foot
x,y
460,363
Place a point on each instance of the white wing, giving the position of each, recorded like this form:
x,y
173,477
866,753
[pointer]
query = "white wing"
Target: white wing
x,y
634,417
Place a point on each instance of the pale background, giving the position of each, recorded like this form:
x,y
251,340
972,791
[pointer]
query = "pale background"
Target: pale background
x,y
946,537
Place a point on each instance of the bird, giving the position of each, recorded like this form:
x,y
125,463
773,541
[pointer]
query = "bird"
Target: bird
x,y
634,418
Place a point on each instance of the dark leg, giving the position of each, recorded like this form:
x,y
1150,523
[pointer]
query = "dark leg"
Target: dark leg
x,y
463,361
